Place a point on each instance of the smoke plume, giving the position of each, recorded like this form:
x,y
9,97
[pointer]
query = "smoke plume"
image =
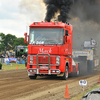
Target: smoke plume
x,y
85,18
86,10
83,9
54,6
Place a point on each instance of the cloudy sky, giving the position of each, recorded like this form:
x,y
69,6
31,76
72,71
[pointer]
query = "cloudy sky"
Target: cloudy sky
x,y
17,15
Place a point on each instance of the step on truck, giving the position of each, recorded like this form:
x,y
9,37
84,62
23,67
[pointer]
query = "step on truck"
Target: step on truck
x,y
50,49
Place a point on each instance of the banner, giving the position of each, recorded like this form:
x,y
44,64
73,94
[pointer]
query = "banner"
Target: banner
x,y
11,59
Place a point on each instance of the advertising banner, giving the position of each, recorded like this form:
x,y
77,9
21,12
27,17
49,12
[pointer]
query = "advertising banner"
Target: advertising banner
x,y
11,59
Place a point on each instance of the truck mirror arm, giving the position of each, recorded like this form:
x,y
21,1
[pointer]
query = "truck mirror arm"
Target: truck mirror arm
x,y
28,38
25,40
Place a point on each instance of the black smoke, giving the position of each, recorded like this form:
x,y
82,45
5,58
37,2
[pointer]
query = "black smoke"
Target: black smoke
x,y
86,10
54,6
85,18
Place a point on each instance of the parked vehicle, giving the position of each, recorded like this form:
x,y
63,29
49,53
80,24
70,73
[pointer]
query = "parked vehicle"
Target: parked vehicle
x,y
21,50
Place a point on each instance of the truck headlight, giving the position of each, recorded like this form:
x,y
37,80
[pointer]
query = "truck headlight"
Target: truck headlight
x,y
31,57
57,60
31,62
30,70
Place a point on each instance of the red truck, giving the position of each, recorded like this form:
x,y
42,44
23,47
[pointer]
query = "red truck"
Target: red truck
x,y
50,49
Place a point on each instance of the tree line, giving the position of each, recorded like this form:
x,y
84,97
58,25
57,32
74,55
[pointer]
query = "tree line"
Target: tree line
x,y
9,41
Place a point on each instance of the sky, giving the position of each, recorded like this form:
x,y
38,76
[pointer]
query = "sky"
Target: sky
x,y
17,15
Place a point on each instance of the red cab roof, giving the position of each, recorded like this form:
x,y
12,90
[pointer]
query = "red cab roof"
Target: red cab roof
x,y
48,25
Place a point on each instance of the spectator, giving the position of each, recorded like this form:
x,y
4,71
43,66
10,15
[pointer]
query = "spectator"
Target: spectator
x,y
24,58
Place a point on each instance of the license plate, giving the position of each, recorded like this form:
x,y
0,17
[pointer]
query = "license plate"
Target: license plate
x,y
43,67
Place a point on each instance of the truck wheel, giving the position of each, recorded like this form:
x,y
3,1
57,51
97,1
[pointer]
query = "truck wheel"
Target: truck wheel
x,y
65,73
33,77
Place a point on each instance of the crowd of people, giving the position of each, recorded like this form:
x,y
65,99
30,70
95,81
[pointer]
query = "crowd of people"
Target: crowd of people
x,y
17,59
24,58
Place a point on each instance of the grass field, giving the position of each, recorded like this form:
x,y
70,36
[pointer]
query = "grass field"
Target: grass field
x,y
78,97
12,66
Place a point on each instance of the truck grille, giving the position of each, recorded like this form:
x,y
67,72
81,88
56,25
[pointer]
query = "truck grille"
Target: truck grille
x,y
43,59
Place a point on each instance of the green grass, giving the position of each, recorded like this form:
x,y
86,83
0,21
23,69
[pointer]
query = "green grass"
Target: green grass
x,y
12,66
78,97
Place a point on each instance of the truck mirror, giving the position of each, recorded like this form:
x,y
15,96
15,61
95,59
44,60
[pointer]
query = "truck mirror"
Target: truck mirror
x,y
68,39
66,33
25,40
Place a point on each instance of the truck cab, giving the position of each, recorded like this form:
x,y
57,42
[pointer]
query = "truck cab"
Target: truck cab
x,y
50,49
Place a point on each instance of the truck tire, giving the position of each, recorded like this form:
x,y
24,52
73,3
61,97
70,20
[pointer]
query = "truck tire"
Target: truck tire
x,y
65,73
33,77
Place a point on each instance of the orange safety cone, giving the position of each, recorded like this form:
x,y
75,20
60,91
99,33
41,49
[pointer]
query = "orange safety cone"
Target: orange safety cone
x,y
66,92
99,79
16,67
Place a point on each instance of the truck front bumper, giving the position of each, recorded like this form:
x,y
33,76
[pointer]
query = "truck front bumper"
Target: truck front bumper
x,y
32,71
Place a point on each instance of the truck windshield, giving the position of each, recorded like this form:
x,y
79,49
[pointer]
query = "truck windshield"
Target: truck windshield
x,y
46,36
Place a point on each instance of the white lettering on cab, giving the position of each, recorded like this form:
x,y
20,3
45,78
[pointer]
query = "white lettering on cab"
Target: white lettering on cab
x,y
41,50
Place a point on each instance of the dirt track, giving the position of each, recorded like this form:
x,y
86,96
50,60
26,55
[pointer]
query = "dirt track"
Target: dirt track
x,y
15,85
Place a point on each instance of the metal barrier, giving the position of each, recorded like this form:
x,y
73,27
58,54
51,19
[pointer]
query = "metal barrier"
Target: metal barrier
x,y
2,60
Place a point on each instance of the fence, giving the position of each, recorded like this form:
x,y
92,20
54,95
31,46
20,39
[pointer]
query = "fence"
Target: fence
x,y
2,60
